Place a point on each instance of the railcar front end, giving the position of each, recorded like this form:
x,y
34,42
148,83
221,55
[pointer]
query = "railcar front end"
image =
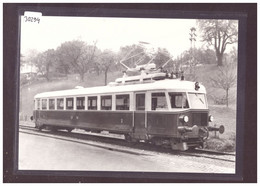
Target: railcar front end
x,y
184,124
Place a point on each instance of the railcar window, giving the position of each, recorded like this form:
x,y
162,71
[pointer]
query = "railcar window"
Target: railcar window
x,y
122,102
80,103
140,101
38,104
60,104
44,104
178,100
159,101
106,102
51,104
69,103
197,101
92,103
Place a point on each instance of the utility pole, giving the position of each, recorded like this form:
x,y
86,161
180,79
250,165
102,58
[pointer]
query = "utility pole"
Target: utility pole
x,y
193,37
192,46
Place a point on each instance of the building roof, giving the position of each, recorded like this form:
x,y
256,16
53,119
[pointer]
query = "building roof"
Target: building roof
x,y
174,85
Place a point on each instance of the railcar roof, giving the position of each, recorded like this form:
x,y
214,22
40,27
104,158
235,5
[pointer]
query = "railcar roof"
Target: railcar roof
x,y
174,85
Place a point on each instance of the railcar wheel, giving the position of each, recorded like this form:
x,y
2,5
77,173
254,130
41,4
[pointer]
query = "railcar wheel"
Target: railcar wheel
x,y
128,138
204,133
177,144
53,129
158,142
40,128
192,148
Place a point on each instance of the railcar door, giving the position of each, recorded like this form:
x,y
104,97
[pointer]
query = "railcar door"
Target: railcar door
x,y
140,117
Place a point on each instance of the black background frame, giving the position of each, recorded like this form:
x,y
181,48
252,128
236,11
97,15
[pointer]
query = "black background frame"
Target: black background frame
x,y
246,158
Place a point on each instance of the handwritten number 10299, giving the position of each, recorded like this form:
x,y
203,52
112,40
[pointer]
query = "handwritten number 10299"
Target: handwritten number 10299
x,y
32,19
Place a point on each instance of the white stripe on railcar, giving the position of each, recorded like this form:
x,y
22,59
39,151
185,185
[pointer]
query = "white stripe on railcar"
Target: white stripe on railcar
x,y
173,85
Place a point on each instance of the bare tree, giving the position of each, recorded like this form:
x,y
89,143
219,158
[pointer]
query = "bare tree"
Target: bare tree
x,y
219,33
163,58
225,79
61,66
233,55
28,58
78,55
44,61
133,55
106,61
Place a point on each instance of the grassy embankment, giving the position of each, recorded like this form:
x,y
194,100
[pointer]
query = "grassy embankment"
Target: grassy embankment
x,y
222,115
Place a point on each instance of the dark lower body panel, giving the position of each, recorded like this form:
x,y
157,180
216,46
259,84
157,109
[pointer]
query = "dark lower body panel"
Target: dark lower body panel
x,y
152,126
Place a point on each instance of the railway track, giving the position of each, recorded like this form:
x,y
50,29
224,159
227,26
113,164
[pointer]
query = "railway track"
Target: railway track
x,y
213,152
226,158
119,144
27,127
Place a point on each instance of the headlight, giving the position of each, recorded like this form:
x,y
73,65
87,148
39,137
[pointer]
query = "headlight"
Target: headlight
x,y
184,118
211,118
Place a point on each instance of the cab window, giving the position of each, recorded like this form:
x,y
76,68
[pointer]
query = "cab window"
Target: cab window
x,y
159,101
106,102
198,101
92,103
178,100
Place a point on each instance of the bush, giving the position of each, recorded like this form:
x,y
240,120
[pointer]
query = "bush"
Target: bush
x,y
223,145
219,100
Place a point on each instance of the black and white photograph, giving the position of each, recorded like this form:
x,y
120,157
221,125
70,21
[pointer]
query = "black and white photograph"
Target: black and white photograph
x,y
128,94
107,93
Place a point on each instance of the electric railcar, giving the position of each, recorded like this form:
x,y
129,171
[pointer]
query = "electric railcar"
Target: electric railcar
x,y
150,108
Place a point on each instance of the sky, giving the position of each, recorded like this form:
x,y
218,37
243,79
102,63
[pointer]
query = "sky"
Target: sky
x,y
110,33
